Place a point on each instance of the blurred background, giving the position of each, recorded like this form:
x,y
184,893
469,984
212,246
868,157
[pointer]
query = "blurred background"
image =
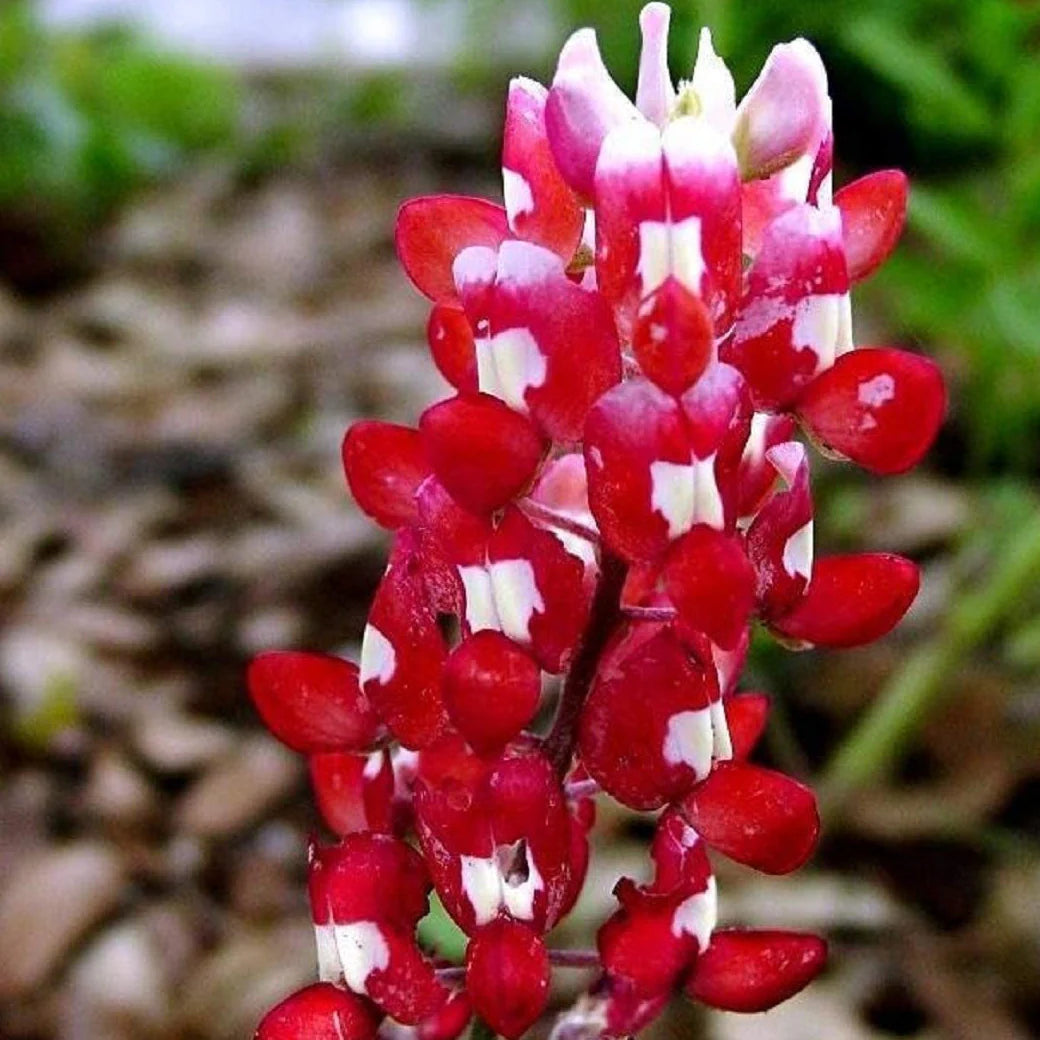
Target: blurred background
x,y
198,294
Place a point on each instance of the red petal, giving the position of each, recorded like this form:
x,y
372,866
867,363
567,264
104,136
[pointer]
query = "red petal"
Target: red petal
x,y
354,792
507,976
321,1012
491,690
873,211
852,600
450,337
541,207
407,988
385,464
649,750
755,816
634,432
312,702
433,230
712,584
449,1022
673,337
403,651
754,971
368,877
681,864
879,408
483,452
747,714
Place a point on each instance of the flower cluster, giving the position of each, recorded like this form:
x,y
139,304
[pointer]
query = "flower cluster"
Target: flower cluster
x,y
612,496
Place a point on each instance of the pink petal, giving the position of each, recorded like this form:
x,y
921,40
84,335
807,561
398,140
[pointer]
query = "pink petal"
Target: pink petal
x,y
321,1012
584,104
755,970
354,792
647,750
540,205
785,114
452,347
756,476
384,465
635,442
712,584
312,702
880,408
755,816
655,94
491,690
484,453
852,600
873,211
673,338
507,976
433,230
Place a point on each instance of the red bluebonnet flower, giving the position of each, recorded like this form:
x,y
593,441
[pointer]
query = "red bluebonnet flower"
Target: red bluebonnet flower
x,y
613,495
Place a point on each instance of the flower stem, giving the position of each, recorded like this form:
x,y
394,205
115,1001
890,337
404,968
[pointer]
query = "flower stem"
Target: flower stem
x,y
480,1030
887,727
574,958
562,522
559,744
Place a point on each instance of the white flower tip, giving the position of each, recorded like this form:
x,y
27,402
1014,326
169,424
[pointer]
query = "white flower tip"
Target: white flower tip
x,y
579,53
655,94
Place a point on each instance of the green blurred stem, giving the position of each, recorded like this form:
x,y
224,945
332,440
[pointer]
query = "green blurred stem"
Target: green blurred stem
x,y
481,1030
887,727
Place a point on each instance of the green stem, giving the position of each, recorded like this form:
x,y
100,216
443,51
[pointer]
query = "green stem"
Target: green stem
x,y
912,693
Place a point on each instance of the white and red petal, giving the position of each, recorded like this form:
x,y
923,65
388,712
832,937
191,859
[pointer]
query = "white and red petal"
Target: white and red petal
x,y
655,94
673,340
753,971
873,211
785,114
452,347
711,582
483,452
540,206
491,688
851,600
384,464
794,319
354,792
880,408
703,196
321,1011
539,595
584,104
755,816
642,479
646,732
712,82
780,540
507,976
403,651
553,348
431,232
312,702
756,476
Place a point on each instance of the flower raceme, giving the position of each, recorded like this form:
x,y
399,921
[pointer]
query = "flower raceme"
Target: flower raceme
x,y
615,492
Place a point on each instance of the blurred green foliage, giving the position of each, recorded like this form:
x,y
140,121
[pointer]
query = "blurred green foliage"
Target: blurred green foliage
x,y
84,118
